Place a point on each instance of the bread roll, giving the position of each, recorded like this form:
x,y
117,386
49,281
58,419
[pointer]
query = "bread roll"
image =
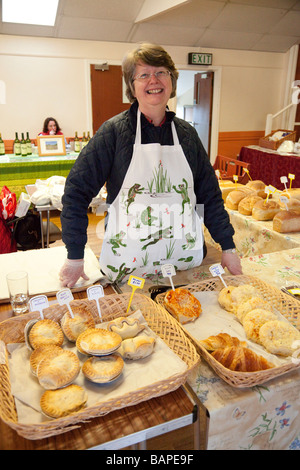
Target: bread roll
x,y
291,203
241,359
293,192
234,197
227,186
287,221
258,186
246,204
265,210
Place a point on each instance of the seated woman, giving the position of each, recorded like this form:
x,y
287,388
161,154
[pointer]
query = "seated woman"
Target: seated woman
x,y
51,127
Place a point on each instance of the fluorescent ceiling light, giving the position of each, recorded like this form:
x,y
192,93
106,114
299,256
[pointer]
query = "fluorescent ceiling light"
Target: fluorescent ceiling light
x,y
39,12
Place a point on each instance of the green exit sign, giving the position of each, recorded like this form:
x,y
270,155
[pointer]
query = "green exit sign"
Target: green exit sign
x,y
197,58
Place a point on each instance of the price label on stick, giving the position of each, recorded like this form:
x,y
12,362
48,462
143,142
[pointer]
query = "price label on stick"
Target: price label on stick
x,y
217,270
168,270
269,190
235,179
135,283
284,180
64,297
39,303
284,199
291,178
247,171
218,174
95,293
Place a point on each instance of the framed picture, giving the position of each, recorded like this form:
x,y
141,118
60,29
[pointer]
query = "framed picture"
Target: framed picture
x,y
50,145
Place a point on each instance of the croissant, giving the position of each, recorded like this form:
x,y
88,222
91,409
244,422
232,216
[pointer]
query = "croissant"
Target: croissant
x,y
241,359
222,340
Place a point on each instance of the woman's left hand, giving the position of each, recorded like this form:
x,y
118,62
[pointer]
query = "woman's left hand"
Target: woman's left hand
x,y
232,262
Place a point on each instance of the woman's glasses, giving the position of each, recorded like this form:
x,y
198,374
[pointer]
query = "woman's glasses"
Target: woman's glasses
x,y
160,75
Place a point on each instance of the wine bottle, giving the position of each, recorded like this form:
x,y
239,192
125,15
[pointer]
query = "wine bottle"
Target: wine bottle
x,y
2,146
23,146
28,143
83,141
17,145
88,136
76,143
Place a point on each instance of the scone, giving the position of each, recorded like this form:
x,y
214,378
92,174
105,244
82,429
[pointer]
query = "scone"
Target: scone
x,y
251,304
126,327
58,371
254,320
60,403
103,369
73,327
224,298
241,293
41,353
183,305
45,332
278,336
97,341
137,348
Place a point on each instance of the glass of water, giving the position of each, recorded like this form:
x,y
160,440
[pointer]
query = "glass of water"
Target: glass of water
x,y
17,283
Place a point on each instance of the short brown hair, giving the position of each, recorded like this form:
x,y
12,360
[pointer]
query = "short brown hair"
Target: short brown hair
x,y
150,54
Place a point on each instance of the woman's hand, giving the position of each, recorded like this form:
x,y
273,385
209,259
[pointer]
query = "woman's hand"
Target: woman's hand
x,y
71,271
232,262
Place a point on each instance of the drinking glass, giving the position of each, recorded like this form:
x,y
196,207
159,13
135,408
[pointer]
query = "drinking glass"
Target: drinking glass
x,y
17,283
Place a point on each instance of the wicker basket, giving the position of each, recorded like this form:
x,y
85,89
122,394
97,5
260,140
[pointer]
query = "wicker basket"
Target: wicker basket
x,y
285,304
112,306
274,145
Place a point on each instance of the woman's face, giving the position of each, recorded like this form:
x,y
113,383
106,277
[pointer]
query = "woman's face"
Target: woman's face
x,y
52,127
152,91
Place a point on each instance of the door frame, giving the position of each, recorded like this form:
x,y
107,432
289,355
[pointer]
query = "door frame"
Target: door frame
x,y
214,140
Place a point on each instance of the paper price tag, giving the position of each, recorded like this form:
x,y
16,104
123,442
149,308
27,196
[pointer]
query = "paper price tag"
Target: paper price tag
x,y
39,303
136,283
64,297
291,178
168,270
248,173
269,190
284,180
284,199
217,270
95,293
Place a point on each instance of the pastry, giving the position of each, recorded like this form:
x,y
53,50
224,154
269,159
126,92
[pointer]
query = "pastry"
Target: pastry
x,y
246,204
97,341
72,327
222,340
103,369
258,186
60,403
224,298
241,293
287,221
137,348
278,336
40,353
291,203
241,359
126,327
234,197
183,305
251,304
58,371
254,320
265,210
45,332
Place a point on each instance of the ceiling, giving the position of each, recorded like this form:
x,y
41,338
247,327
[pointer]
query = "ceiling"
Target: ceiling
x,y
257,25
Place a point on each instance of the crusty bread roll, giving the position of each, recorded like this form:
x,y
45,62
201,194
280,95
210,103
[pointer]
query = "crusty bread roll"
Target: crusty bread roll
x,y
287,221
265,210
292,204
258,186
241,359
234,197
246,204
222,340
293,192
227,186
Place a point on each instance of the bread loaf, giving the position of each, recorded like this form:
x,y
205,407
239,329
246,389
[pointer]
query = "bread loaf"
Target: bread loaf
x,y
287,221
291,203
258,186
246,204
241,359
265,210
293,192
234,197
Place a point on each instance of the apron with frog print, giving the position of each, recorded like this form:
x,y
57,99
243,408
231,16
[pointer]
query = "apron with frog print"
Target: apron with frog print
x,y
153,220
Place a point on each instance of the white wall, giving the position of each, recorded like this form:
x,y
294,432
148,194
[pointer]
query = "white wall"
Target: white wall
x,y
45,76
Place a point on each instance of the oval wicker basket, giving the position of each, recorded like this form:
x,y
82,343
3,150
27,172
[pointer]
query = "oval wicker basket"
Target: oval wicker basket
x,y
112,306
285,304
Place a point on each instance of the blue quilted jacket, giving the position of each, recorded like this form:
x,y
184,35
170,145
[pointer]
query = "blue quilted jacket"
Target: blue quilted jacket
x,y
106,159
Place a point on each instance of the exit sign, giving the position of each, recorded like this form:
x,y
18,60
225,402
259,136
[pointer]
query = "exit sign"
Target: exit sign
x,y
197,58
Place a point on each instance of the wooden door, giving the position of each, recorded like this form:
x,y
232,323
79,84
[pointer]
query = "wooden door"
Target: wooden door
x,y
202,112
107,99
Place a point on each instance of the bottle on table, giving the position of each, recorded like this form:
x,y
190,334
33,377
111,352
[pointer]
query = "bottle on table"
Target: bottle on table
x,y
2,146
23,146
76,143
88,136
17,145
84,141
28,143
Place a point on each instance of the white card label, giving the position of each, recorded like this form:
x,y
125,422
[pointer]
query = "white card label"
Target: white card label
x,y
216,270
95,292
38,303
64,296
168,270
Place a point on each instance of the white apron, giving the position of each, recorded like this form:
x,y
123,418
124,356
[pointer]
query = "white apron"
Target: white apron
x,y
153,220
